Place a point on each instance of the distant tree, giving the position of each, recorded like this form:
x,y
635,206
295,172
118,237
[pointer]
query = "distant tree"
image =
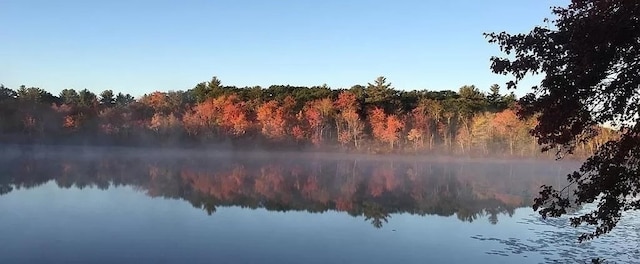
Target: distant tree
x,y
319,114
589,63
386,128
392,130
481,131
205,90
124,99
272,120
35,95
470,92
156,100
348,124
164,124
7,94
494,95
69,97
508,125
179,100
87,98
421,121
495,100
471,101
107,98
203,120
234,115
380,94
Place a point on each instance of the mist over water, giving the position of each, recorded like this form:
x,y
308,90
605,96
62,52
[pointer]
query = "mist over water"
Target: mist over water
x,y
105,205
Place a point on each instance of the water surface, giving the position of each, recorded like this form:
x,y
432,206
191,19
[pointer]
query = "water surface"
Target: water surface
x,y
125,207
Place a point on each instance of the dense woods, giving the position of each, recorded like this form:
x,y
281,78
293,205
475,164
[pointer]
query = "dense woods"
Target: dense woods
x,y
372,118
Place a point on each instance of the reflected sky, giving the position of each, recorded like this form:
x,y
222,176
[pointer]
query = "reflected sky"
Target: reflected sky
x,y
121,224
114,210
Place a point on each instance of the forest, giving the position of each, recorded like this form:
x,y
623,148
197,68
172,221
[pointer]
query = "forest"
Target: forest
x,y
375,118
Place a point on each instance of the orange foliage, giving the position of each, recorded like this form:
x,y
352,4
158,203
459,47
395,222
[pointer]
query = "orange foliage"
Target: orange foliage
x,y
385,128
225,114
234,115
348,123
69,122
272,120
377,119
394,125
506,122
346,101
314,118
317,114
156,100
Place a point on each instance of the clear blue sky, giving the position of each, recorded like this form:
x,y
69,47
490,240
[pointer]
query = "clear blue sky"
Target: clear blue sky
x,y
139,46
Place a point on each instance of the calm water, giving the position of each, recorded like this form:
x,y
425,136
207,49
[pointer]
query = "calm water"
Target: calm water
x,y
124,207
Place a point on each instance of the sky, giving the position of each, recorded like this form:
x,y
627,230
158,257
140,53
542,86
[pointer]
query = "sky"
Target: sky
x,y
141,46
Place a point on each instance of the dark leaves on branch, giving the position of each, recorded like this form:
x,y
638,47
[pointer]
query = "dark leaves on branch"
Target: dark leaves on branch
x,y
590,63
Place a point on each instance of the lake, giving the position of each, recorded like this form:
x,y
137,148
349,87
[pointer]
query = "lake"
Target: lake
x,y
145,206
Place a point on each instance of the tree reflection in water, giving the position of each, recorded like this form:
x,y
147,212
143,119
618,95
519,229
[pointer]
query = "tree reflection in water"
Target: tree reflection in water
x,y
372,189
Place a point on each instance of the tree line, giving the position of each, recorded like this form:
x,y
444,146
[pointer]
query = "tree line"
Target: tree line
x,y
372,118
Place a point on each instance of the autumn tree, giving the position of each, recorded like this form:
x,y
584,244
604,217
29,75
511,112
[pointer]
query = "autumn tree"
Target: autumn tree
x,y
202,119
348,124
421,121
234,117
66,112
272,120
589,64
157,100
392,130
385,128
165,125
507,124
113,121
319,114
480,131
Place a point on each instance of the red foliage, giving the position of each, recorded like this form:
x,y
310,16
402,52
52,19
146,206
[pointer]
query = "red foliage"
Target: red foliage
x,y
377,120
385,128
346,101
272,119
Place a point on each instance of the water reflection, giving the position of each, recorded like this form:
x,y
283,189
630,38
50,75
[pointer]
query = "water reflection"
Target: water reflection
x,y
374,189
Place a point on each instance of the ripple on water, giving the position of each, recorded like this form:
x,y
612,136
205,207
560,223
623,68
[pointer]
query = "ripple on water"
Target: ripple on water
x,y
556,241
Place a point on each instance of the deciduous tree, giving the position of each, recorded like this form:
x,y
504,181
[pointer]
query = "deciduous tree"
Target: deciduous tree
x,y
589,62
